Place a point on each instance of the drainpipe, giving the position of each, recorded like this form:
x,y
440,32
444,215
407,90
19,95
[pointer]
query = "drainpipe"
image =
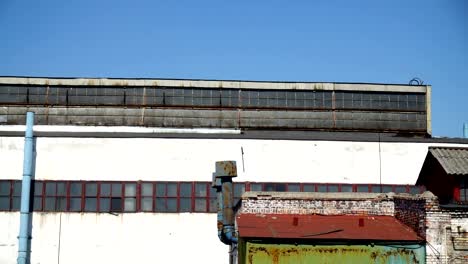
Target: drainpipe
x,y
25,215
222,182
465,130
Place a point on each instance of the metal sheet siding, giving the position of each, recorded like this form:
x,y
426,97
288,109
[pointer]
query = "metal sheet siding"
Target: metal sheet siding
x,y
453,160
259,253
324,227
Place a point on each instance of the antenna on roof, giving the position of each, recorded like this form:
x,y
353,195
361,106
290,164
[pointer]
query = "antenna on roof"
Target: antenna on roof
x,y
416,81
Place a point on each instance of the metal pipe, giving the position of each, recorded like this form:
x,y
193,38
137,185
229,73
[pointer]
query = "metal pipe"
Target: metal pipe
x,y
25,215
222,182
465,130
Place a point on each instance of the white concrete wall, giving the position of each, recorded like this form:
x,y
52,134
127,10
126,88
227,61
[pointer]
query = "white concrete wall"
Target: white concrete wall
x,y
105,238
177,238
193,159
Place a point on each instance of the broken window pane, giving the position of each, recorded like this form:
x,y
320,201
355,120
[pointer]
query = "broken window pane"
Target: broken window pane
x,y
116,204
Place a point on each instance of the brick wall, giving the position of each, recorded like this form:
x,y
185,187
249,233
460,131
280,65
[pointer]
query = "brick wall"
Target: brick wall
x,y
445,231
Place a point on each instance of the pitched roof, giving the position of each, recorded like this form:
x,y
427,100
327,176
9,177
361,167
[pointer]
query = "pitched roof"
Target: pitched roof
x,y
324,227
453,160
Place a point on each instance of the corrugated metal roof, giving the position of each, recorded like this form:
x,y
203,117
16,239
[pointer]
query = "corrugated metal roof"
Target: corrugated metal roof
x,y
453,160
329,227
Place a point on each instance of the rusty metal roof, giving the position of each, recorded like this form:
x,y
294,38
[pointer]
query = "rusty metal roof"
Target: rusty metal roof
x,y
453,160
324,227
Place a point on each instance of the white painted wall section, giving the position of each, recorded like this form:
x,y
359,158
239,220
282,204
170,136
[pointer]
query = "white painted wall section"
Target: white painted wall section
x,y
158,159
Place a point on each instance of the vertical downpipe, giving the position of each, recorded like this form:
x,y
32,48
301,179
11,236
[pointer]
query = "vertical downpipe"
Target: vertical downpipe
x,y
222,182
25,215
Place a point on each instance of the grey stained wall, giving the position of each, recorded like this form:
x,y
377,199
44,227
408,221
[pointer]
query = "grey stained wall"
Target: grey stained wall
x,y
215,107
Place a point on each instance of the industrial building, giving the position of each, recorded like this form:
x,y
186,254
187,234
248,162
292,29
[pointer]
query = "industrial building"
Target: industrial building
x,y
123,167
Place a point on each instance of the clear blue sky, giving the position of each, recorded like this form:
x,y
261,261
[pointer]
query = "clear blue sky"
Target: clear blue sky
x,y
336,41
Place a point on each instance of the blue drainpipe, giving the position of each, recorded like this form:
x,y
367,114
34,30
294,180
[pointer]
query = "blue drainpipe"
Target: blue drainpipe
x,y
222,182
25,215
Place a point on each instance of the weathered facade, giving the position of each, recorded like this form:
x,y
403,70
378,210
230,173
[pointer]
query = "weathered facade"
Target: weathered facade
x,y
442,232
123,166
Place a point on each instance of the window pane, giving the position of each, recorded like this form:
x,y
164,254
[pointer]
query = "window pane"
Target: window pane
x,y
147,204
400,189
200,190
61,189
130,205
61,204
37,188
116,190
49,204
375,189
172,205
332,188
37,204
160,189
17,188
256,187
4,203
322,188
212,192
4,188
346,188
16,203
116,204
387,188
294,188
147,189
185,205
91,189
185,190
269,187
414,190
309,188
363,188
130,189
214,204
200,205
90,204
280,187
161,204
75,204
172,189
104,204
239,189
75,189
50,189
105,189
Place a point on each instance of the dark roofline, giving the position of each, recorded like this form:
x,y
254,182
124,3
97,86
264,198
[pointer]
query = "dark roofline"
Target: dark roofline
x,y
258,134
202,79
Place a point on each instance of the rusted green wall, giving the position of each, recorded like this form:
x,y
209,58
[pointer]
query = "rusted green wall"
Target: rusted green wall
x,y
295,254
